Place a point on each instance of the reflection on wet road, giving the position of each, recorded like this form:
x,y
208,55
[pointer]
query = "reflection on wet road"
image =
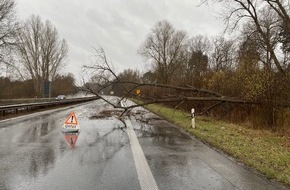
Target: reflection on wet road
x,y
71,139
35,154
179,162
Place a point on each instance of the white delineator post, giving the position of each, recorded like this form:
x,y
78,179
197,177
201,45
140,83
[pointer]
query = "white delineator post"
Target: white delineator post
x,y
193,118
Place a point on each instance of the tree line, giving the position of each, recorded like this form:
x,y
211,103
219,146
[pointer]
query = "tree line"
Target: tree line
x,y
31,53
244,78
15,89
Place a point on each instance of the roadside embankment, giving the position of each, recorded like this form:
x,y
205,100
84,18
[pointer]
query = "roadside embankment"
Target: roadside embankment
x,y
267,152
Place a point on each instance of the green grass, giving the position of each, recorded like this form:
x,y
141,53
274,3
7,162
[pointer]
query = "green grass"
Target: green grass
x,y
267,152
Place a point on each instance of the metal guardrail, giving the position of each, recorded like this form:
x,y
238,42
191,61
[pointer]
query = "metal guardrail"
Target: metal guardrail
x,y
4,102
16,108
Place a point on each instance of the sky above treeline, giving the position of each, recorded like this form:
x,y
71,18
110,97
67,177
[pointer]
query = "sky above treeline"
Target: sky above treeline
x,y
118,26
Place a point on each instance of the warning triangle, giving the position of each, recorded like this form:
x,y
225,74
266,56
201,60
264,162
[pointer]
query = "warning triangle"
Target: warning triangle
x,y
72,119
71,139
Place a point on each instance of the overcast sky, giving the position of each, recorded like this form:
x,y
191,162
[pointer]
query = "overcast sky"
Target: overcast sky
x,y
119,26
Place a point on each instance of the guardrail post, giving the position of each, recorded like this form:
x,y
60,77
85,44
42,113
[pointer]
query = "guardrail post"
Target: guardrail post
x,y
193,118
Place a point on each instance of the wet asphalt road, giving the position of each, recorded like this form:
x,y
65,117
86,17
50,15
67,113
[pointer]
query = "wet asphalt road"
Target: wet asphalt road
x,y
35,154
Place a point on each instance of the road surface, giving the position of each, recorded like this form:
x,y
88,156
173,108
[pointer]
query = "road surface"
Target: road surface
x,y
35,154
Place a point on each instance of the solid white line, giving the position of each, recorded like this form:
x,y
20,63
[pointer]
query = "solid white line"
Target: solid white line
x,y
145,176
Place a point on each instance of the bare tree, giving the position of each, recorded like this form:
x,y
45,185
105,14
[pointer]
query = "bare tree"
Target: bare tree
x,y
164,48
40,51
265,22
200,43
262,29
243,11
281,7
197,60
8,29
166,93
222,56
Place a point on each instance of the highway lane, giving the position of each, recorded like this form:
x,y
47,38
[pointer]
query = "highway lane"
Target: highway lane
x,y
35,154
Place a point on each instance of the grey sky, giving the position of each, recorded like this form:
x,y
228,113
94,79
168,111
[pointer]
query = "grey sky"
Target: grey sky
x,y
119,26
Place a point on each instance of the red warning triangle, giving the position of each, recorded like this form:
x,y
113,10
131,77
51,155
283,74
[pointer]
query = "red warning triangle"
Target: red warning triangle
x,y
72,119
71,139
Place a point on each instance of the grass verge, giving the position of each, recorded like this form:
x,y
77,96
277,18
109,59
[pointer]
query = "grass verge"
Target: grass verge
x,y
262,150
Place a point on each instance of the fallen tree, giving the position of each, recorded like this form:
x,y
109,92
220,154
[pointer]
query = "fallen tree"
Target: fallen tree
x,y
106,77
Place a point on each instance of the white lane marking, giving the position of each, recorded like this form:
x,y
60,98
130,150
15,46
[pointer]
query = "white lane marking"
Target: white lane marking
x,y
145,176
